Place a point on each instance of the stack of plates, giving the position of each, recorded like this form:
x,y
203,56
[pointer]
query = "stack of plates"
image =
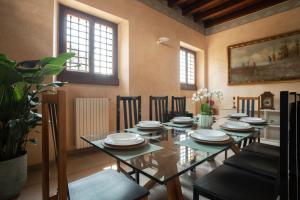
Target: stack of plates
x,y
238,115
253,120
237,126
208,136
182,120
149,125
124,141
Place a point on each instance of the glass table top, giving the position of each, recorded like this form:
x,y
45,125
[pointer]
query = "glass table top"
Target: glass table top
x,y
169,152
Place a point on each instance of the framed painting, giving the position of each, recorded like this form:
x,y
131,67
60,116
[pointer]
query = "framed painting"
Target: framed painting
x,y
271,59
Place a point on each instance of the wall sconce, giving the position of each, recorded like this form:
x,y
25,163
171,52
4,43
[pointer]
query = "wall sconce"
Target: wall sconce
x,y
162,40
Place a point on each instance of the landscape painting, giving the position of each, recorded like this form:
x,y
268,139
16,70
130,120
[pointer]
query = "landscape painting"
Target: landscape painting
x,y
275,58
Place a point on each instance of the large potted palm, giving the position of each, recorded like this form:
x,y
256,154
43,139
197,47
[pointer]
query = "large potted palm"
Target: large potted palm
x,y
20,87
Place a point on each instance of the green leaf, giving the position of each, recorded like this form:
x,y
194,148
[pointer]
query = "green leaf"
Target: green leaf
x,y
62,58
51,69
9,62
46,60
20,90
205,109
8,74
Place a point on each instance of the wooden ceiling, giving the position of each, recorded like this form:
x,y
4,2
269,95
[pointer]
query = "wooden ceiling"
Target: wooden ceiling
x,y
213,12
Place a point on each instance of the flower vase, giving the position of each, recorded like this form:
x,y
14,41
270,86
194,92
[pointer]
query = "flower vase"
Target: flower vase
x,y
205,121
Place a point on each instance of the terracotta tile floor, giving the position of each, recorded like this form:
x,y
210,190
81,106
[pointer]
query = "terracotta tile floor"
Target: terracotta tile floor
x,y
86,163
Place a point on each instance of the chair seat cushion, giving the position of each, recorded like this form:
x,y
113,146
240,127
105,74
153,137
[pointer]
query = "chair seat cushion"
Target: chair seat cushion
x,y
260,164
263,148
106,185
229,183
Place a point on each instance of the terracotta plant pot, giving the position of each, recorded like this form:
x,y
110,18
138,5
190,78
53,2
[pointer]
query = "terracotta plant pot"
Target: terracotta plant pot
x,y
13,175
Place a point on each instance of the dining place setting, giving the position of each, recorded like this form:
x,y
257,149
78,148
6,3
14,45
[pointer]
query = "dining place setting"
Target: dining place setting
x,y
162,149
158,141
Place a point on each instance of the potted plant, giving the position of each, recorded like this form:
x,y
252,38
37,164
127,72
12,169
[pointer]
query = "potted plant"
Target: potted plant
x,y
20,88
205,97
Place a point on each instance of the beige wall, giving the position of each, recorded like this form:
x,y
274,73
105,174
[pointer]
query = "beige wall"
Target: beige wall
x,y
145,68
218,62
27,33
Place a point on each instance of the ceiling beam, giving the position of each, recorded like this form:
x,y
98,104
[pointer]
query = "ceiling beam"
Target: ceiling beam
x,y
239,5
209,6
173,3
238,13
193,7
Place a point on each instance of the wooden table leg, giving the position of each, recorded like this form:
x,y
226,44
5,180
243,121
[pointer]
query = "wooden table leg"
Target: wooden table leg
x,y
174,189
235,149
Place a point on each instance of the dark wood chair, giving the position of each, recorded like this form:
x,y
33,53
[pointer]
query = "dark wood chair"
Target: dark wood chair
x,y
178,107
131,111
262,148
161,107
229,182
247,105
261,164
101,185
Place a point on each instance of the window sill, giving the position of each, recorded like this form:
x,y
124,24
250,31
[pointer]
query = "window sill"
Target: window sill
x,y
86,78
188,87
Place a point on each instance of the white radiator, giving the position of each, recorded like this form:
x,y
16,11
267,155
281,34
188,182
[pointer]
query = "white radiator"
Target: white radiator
x,y
92,118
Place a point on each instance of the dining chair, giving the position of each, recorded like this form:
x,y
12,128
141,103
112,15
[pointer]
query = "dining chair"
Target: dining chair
x,y
101,185
247,105
178,105
229,182
131,111
160,108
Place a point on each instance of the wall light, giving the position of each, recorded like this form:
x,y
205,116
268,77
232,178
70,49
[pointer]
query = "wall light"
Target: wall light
x,y
162,40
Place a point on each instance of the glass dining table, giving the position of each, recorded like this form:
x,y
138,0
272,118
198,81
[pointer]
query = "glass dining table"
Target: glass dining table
x,y
170,152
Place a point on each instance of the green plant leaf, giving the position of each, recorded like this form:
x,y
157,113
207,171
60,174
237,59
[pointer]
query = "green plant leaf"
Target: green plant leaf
x,y
51,69
8,74
20,90
61,59
205,108
46,60
10,63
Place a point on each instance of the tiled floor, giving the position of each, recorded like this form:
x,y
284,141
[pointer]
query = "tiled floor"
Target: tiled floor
x,y
85,163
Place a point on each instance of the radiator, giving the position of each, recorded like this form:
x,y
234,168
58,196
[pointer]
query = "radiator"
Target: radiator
x,y
92,119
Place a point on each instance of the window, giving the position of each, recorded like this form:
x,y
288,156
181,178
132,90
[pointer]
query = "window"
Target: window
x,y
187,69
94,41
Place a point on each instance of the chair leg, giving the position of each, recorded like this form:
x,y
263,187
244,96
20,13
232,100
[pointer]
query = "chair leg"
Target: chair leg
x,y
195,195
226,154
118,166
137,177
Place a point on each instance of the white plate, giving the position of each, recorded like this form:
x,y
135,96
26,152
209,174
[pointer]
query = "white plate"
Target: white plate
x,y
149,124
209,135
253,120
238,115
237,125
124,139
182,120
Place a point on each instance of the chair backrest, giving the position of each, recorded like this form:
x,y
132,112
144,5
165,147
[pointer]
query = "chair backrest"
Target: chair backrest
x,y
131,111
160,108
289,145
54,110
247,105
178,105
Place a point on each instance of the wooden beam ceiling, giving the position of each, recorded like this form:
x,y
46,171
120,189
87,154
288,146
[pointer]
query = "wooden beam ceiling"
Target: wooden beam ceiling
x,y
213,12
242,12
